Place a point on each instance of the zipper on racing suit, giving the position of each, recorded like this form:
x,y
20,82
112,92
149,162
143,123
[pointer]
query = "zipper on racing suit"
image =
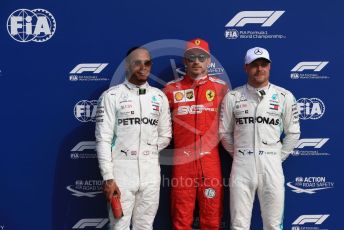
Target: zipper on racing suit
x,y
256,134
198,156
140,135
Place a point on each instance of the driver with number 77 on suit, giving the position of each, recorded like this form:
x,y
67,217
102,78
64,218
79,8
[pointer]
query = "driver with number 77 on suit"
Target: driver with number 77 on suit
x,y
253,118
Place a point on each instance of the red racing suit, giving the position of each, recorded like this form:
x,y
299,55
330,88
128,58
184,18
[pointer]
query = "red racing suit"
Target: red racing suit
x,y
196,163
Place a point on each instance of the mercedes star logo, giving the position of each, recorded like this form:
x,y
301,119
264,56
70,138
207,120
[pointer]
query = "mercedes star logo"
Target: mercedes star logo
x,y
258,52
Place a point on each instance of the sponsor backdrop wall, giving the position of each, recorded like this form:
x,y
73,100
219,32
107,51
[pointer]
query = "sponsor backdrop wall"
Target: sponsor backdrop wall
x,y
58,56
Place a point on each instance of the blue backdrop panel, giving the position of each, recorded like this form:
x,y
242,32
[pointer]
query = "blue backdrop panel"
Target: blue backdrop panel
x,y
58,56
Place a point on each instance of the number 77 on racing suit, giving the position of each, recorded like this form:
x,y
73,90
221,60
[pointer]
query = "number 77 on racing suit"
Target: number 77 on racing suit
x,y
195,100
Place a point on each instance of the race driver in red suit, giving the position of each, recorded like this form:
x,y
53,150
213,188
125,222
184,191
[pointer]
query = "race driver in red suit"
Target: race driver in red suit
x,y
195,100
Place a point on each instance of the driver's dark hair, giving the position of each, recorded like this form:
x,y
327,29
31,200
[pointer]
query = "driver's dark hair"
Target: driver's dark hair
x,y
133,49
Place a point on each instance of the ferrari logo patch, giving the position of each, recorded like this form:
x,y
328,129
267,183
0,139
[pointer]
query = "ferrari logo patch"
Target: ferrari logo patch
x,y
210,95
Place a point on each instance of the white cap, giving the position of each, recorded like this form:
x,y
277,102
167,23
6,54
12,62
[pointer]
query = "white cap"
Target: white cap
x,y
256,53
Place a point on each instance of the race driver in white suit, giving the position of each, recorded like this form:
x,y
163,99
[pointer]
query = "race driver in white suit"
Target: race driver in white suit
x,y
133,125
253,118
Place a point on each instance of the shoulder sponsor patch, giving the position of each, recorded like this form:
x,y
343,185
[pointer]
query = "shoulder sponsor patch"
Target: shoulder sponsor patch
x,y
217,80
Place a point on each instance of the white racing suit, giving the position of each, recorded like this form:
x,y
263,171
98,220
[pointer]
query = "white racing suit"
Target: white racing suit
x,y
251,125
133,125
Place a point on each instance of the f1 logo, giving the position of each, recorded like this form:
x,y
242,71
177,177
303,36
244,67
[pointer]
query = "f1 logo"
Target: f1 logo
x,y
316,219
311,142
310,65
89,67
266,18
81,146
95,222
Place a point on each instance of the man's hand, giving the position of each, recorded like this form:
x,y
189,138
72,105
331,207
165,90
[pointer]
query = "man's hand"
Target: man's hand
x,y
110,189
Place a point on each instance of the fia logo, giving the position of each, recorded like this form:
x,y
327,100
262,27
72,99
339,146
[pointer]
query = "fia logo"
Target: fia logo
x,y
310,108
231,34
36,25
85,111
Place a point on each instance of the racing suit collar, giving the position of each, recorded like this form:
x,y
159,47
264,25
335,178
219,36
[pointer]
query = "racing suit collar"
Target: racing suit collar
x,y
257,93
197,81
133,86
252,89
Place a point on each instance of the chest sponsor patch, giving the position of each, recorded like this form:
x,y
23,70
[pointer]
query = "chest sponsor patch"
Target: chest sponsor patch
x,y
274,106
183,95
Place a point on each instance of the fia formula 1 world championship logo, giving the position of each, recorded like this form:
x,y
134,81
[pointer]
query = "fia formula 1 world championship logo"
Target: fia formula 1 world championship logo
x,y
36,25
235,27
